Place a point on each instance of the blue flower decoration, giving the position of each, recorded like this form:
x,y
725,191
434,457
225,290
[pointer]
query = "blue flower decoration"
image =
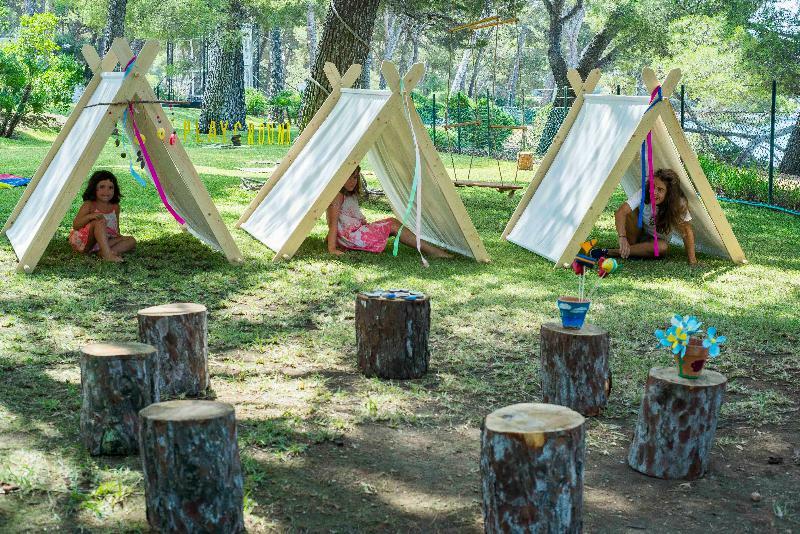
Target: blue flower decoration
x,y
689,324
712,342
676,338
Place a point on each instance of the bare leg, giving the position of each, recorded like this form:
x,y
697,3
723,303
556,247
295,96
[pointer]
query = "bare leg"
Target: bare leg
x,y
408,238
101,237
644,249
122,244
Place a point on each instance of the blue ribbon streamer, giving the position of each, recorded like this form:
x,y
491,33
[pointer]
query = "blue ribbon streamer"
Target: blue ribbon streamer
x,y
136,175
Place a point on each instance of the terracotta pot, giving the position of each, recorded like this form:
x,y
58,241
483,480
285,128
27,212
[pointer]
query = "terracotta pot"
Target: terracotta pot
x,y
691,365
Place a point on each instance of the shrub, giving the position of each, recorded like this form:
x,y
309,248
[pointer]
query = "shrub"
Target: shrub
x,y
256,102
289,101
746,183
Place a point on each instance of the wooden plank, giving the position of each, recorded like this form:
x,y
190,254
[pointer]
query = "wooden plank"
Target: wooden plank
x,y
575,81
291,155
413,76
351,76
500,186
332,73
91,57
700,181
610,184
91,152
649,78
445,184
108,62
544,166
391,75
670,83
473,23
591,81
337,181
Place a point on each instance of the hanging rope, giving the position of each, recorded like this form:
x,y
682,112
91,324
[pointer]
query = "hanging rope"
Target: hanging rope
x,y
315,82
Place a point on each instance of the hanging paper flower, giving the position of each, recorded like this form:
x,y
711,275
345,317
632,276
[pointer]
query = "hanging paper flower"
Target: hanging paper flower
x,y
690,324
712,342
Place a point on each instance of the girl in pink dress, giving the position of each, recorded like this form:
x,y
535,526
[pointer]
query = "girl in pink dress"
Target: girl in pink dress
x,y
96,226
348,228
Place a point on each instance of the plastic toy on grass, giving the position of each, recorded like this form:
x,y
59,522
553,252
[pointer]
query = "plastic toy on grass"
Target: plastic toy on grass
x,y
691,351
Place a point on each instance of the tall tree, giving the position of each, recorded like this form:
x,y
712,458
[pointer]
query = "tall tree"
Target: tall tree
x,y
223,98
513,78
345,40
393,27
277,77
311,31
115,24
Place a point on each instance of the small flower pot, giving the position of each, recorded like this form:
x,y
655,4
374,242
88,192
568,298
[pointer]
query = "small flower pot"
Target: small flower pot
x,y
573,311
691,365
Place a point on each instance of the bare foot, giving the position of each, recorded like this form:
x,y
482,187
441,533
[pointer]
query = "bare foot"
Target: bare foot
x,y
441,254
114,258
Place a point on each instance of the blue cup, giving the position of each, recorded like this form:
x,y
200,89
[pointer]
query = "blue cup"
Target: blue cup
x,y
573,311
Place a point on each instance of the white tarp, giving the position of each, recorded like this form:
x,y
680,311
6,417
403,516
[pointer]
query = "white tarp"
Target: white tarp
x,y
592,147
392,158
72,150
290,200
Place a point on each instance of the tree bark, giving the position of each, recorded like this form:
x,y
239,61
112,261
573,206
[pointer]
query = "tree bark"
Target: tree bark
x,y
574,367
277,75
513,79
393,28
192,471
311,32
11,122
532,458
340,46
117,380
170,62
677,423
179,332
365,80
223,97
247,54
392,335
115,24
790,164
460,77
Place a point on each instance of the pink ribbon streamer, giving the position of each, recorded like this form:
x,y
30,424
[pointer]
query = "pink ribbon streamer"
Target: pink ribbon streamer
x,y
152,169
651,178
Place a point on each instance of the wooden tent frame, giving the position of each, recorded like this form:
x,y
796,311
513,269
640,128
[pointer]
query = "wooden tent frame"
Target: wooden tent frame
x,y
390,111
173,165
665,111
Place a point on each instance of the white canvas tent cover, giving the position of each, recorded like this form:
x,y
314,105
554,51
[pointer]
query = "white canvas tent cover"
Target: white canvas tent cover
x,y
597,151
353,123
59,177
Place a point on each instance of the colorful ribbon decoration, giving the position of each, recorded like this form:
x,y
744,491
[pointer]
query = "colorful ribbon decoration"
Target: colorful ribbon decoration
x,y
647,150
416,187
125,140
152,169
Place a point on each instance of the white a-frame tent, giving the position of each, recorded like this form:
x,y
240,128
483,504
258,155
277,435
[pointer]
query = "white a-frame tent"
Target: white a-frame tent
x,y
596,148
350,124
59,177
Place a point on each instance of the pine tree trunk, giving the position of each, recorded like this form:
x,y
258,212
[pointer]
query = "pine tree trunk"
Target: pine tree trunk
x,y
170,63
513,79
115,25
263,43
247,54
472,91
392,29
12,120
277,75
365,81
790,164
340,47
223,97
311,31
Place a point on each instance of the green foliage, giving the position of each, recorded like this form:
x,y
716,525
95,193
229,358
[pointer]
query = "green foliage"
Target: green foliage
x,y
749,184
289,101
255,101
32,75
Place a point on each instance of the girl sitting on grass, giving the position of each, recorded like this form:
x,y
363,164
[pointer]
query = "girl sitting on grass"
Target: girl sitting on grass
x,y
672,214
96,226
348,229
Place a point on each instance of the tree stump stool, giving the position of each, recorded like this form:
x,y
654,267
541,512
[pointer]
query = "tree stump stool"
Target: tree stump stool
x,y
677,423
117,380
532,458
392,333
179,332
574,367
192,473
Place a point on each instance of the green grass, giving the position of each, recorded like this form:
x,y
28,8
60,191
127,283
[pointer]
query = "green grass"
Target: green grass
x,y
281,336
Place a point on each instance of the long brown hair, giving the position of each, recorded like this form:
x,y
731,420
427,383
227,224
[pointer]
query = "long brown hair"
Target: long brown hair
x,y
357,189
670,212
